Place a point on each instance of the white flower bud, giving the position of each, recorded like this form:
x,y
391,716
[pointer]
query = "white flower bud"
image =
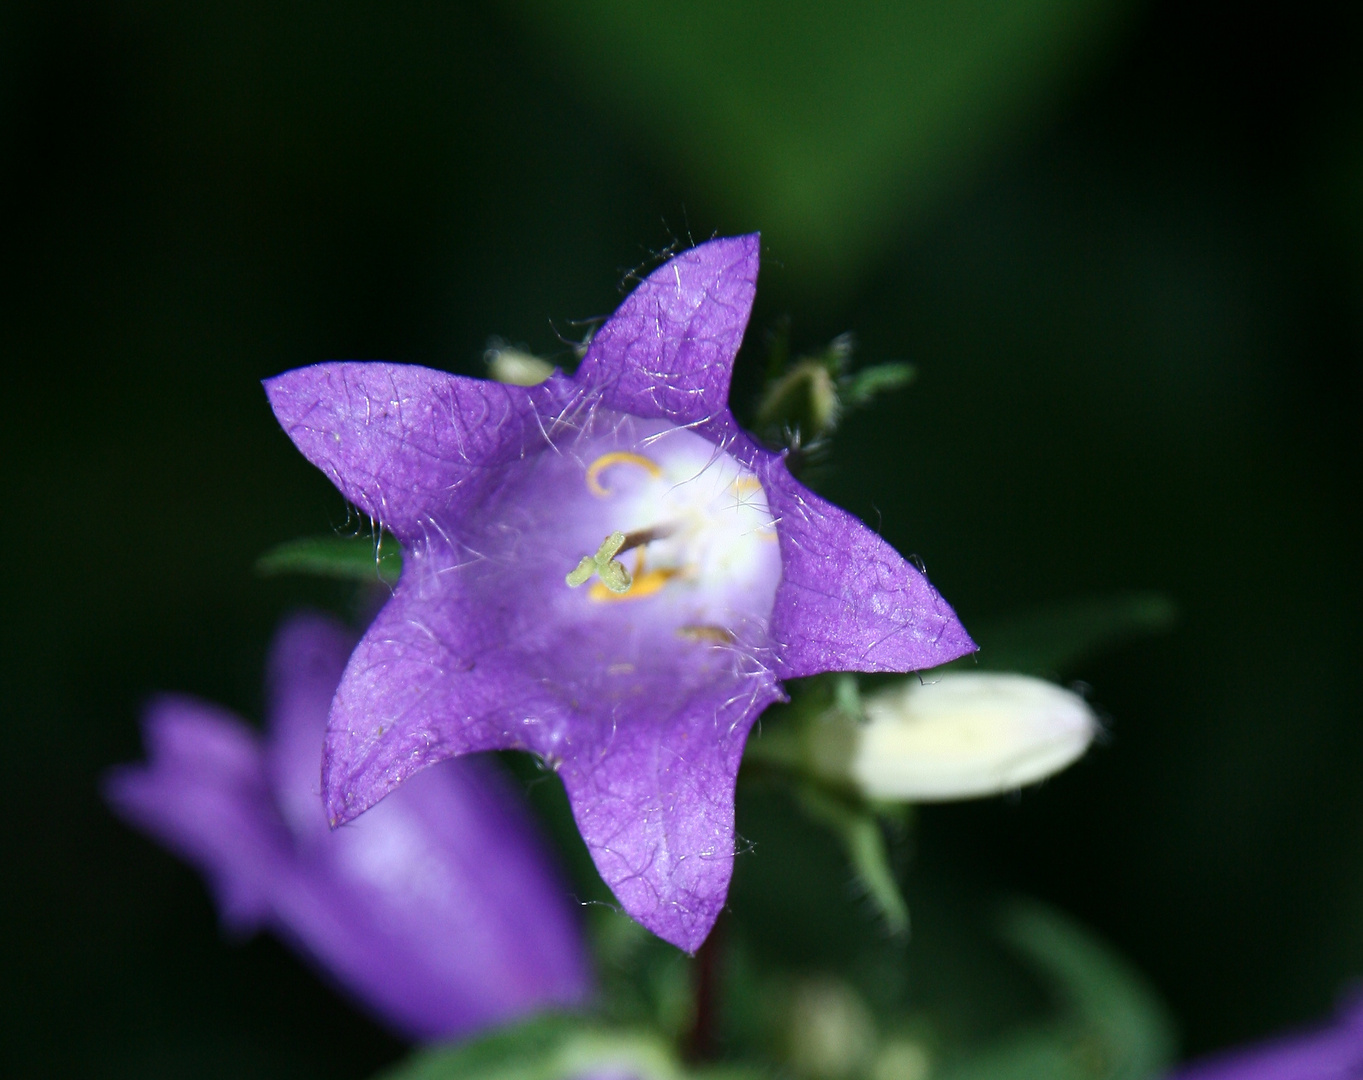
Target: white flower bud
x,y
965,735
514,366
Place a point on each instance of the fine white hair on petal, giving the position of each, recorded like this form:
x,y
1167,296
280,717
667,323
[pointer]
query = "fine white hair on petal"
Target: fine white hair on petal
x,y
966,735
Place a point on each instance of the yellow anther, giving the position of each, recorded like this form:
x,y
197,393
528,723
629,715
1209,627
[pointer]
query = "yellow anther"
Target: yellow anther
x,y
642,586
746,485
713,635
617,457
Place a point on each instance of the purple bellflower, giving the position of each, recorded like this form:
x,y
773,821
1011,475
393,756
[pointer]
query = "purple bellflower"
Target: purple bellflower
x,y
439,910
1329,1053
636,664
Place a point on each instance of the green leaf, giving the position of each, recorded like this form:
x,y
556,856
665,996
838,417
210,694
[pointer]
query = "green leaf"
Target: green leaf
x,y
350,558
557,1048
823,124
1041,1054
1128,1030
862,387
1109,1024
1051,640
554,1047
863,840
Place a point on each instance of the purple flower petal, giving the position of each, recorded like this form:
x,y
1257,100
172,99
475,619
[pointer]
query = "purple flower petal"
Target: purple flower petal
x,y
668,351
734,576
437,905
648,742
206,797
400,441
420,688
655,805
305,664
1330,1053
848,601
438,910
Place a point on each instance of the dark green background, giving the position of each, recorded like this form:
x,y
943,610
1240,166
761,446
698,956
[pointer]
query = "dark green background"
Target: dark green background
x,y
1129,266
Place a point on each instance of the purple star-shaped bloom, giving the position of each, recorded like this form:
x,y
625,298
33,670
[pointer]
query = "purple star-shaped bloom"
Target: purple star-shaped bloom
x,y
441,911
735,577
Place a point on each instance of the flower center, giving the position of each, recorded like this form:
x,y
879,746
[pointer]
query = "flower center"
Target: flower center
x,y
687,521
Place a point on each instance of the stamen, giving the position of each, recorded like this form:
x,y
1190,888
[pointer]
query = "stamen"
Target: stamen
x,y
640,537
713,635
617,457
645,584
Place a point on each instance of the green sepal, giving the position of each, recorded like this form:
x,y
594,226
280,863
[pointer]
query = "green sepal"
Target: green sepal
x,y
803,401
862,387
348,558
862,835
556,1047
805,746
806,398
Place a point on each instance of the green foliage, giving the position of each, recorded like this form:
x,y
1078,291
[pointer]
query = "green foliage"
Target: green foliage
x,y
803,748
347,558
644,981
805,399
1108,1024
823,123
860,832
982,992
862,387
1099,989
556,1048
805,743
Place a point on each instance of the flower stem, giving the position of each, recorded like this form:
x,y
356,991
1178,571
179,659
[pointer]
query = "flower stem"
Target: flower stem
x,y
702,1044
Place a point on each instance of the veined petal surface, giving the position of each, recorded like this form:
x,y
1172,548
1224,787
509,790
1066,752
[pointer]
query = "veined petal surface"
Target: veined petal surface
x,y
668,351
638,677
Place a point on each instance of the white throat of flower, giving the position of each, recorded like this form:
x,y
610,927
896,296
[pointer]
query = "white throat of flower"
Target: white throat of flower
x,y
685,523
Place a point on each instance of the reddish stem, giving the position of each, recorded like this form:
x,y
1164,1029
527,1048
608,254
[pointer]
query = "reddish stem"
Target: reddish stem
x,y
706,974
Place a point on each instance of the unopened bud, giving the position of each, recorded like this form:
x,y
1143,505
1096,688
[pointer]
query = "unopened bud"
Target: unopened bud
x,y
515,366
965,735
804,399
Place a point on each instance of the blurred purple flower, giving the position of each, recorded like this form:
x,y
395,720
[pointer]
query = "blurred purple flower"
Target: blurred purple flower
x,y
439,911
720,576
1334,1052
